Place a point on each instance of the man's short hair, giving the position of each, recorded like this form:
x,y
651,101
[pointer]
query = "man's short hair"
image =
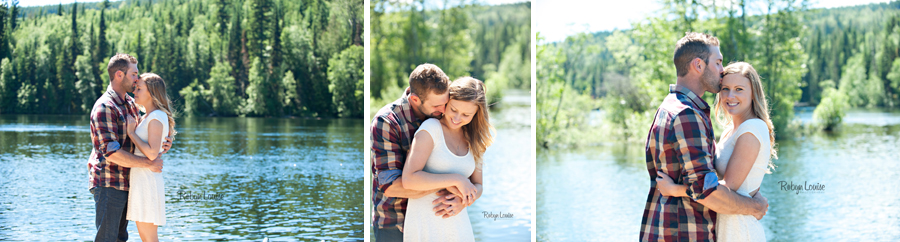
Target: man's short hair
x,y
428,79
119,62
692,45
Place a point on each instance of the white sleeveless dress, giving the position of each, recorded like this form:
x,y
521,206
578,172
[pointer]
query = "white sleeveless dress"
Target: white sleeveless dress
x,y
146,196
420,223
736,227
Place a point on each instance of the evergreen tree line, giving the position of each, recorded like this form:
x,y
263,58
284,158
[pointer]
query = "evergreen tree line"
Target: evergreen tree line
x,y
490,43
265,58
846,57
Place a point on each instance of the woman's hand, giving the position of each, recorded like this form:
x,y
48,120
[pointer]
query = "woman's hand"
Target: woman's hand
x,y
130,125
467,191
456,192
667,186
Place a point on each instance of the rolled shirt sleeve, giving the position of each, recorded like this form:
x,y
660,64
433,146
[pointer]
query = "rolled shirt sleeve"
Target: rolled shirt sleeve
x,y
692,149
386,153
106,129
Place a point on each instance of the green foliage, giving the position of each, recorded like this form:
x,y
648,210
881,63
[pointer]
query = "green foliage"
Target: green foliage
x,y
345,71
7,87
258,94
86,84
204,49
894,78
629,71
562,113
221,92
863,90
192,99
291,97
489,43
830,111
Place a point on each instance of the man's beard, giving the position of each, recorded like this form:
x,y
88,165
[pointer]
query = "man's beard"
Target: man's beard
x,y
428,115
711,80
128,88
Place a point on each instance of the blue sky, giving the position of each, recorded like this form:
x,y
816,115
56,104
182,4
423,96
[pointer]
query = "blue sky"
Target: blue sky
x,y
556,19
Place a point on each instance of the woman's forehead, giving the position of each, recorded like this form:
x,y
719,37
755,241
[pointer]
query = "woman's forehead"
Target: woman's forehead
x,y
735,79
463,106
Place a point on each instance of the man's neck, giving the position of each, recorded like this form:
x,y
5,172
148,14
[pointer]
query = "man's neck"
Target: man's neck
x,y
415,108
119,92
693,85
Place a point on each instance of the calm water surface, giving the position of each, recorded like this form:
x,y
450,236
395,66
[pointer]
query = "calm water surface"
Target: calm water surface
x,y
600,192
285,179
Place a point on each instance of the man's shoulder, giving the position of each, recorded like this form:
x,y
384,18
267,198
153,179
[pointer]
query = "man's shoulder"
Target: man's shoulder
x,y
104,104
390,113
678,104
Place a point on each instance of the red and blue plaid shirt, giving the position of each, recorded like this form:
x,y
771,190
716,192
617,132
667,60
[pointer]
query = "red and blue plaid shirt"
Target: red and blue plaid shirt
x,y
393,129
108,135
681,144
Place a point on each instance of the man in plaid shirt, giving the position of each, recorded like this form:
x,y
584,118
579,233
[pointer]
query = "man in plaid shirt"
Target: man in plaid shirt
x,y
681,145
111,157
393,129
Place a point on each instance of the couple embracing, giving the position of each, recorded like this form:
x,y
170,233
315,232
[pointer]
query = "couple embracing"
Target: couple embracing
x,y
427,151
126,160
702,190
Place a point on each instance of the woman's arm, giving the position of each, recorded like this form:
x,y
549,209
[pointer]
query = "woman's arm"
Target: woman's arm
x,y
476,180
154,131
746,149
415,178
667,186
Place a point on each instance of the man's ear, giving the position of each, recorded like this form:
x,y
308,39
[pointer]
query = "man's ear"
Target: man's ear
x,y
698,65
413,98
118,76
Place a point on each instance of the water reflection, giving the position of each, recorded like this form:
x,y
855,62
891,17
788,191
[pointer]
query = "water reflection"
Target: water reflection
x,y
275,178
508,173
600,192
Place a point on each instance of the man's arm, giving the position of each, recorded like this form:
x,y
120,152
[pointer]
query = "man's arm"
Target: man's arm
x,y
386,166
396,190
725,201
126,159
691,148
106,127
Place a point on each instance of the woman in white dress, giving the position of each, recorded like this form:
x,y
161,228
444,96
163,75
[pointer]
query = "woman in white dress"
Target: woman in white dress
x,y
146,198
744,151
447,153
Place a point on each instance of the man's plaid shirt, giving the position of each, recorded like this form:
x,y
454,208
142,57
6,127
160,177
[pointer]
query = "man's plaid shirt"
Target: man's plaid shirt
x,y
393,129
108,135
681,144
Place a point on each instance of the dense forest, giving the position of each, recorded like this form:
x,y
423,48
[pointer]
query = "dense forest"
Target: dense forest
x,y
829,58
267,58
490,43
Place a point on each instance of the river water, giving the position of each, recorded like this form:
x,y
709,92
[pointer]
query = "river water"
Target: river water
x,y
600,191
231,179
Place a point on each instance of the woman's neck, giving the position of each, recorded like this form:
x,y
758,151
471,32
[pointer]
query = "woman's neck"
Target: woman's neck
x,y
150,108
737,120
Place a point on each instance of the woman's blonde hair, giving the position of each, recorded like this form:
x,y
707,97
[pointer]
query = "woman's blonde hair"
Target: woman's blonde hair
x,y
156,86
759,106
478,131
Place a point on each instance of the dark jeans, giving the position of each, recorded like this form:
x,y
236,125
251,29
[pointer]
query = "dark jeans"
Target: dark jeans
x,y
111,205
388,235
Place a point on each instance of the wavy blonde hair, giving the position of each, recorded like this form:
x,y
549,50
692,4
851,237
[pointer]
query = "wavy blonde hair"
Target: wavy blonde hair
x,y
478,131
157,88
759,106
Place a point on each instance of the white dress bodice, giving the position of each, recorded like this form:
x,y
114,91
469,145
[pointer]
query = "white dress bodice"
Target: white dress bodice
x,y
738,227
420,223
